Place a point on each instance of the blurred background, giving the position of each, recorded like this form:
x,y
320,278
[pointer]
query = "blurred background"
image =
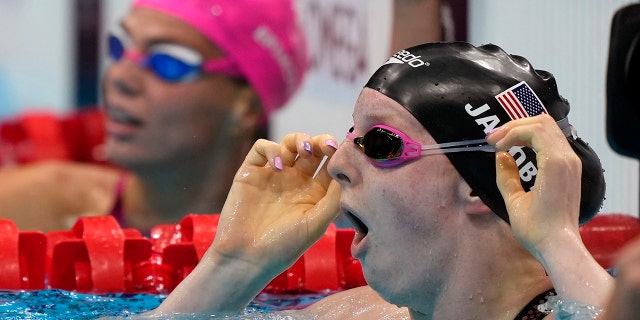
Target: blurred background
x,y
51,57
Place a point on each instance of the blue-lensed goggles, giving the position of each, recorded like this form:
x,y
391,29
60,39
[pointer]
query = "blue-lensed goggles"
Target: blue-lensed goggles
x,y
171,62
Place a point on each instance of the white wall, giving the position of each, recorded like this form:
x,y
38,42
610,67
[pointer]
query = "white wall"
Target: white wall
x,y
347,52
569,38
36,67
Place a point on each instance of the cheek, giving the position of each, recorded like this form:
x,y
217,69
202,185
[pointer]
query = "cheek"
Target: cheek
x,y
190,107
419,201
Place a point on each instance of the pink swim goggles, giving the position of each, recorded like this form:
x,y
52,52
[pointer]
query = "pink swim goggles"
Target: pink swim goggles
x,y
387,147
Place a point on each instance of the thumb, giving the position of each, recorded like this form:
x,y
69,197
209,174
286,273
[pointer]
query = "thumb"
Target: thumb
x,y
507,177
325,211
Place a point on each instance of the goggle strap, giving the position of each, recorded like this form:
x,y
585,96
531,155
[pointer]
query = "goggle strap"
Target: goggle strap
x,y
484,148
135,56
567,128
464,144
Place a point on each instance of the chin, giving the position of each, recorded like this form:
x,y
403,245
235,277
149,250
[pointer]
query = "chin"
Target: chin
x,y
395,292
121,159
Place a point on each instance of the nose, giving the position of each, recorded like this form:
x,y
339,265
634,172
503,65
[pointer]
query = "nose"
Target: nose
x,y
124,77
341,167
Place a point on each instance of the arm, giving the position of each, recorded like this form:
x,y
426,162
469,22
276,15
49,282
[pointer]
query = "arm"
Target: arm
x,y
50,195
545,220
414,22
273,213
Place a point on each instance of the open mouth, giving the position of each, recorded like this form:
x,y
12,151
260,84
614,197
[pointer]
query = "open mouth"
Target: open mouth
x,y
120,116
357,223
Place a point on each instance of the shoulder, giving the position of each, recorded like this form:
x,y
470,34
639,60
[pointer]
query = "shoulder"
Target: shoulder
x,y
47,195
357,303
72,180
54,171
65,184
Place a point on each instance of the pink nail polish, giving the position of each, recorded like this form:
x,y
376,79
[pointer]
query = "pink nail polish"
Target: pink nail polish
x,y
307,146
332,144
278,162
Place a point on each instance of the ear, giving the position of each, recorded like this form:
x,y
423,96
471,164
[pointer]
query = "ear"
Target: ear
x,y
470,201
247,110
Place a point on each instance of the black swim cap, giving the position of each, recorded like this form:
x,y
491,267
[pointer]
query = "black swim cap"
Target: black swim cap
x,y
459,92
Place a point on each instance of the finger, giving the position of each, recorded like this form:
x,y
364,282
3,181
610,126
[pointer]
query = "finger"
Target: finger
x,y
269,153
292,146
325,211
507,177
539,133
542,135
328,147
500,132
261,152
311,154
555,159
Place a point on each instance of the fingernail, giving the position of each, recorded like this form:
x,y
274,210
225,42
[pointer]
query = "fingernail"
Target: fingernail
x,y
490,132
332,144
278,162
307,146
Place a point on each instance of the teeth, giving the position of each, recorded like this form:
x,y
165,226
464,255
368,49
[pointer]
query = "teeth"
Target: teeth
x,y
120,116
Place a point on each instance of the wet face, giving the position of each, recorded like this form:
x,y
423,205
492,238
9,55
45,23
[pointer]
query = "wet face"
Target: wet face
x,y
152,121
406,216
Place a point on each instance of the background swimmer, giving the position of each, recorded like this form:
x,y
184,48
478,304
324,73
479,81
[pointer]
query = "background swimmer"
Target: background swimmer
x,y
178,133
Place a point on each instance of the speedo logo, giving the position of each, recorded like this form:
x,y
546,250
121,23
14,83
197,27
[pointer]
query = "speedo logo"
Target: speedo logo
x,y
404,56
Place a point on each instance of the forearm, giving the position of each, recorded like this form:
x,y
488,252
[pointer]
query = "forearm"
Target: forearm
x,y
216,286
575,274
415,22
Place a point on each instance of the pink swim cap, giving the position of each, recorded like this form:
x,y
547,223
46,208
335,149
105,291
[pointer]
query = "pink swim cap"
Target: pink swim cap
x,y
262,37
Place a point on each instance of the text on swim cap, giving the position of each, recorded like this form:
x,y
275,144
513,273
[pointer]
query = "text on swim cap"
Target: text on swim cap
x,y
404,56
265,37
489,122
527,169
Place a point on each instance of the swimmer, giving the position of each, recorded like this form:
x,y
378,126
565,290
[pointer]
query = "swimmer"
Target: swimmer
x,y
464,229
190,87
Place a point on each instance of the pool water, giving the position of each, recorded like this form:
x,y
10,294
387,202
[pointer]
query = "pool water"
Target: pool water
x,y
60,304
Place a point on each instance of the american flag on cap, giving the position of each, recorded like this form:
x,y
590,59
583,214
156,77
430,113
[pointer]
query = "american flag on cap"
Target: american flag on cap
x,y
520,101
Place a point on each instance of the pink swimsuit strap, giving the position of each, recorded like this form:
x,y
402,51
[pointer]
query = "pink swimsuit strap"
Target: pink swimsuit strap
x,y
117,211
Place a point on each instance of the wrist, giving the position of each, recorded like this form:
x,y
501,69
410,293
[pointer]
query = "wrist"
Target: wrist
x,y
218,285
575,274
557,244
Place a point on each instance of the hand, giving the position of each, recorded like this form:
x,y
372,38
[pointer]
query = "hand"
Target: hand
x,y
545,219
273,212
551,208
